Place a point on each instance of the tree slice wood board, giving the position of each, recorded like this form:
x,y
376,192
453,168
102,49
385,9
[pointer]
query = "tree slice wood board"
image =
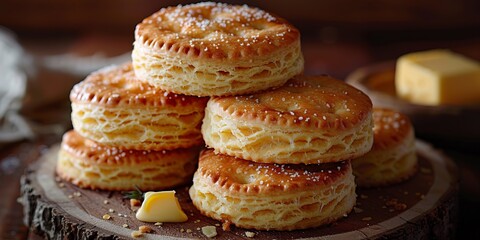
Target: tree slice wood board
x,y
427,208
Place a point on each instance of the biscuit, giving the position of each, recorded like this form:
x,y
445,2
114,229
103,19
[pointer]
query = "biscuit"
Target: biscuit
x,y
272,196
393,157
113,108
88,164
215,49
309,120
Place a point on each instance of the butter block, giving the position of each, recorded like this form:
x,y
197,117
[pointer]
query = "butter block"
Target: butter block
x,y
438,77
161,207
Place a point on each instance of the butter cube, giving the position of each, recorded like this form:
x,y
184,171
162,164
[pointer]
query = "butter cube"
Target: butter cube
x,y
438,77
161,207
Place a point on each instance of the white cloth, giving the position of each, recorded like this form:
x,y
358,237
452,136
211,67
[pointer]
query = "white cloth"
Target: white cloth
x,y
14,66
17,68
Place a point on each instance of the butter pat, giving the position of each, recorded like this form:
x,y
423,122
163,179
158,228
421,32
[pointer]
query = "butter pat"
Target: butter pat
x,y
438,77
161,207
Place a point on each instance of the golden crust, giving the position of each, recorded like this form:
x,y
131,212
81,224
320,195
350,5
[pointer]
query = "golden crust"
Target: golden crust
x,y
215,49
311,119
117,86
393,157
390,128
112,107
92,165
96,153
271,196
319,102
240,176
216,31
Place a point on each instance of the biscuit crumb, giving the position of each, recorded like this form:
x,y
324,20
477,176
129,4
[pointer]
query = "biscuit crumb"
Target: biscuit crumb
x,y
189,230
391,202
182,230
125,225
366,218
226,225
62,185
106,217
77,194
209,231
250,234
357,210
145,229
135,203
400,206
111,210
158,224
395,204
106,201
136,234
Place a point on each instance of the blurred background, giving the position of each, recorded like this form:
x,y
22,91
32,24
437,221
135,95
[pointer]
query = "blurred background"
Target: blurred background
x,y
338,35
48,46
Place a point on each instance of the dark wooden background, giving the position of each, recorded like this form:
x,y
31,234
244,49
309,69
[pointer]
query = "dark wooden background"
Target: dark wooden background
x,y
338,36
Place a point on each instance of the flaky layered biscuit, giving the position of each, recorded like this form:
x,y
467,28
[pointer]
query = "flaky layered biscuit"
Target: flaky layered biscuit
x,y
393,157
215,49
112,107
272,196
91,165
309,120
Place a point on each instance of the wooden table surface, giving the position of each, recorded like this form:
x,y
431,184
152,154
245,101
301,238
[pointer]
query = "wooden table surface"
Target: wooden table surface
x,y
335,59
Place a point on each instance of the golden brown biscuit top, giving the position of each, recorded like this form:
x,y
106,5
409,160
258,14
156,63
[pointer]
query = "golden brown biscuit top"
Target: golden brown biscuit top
x,y
90,151
307,101
389,128
238,175
117,86
216,31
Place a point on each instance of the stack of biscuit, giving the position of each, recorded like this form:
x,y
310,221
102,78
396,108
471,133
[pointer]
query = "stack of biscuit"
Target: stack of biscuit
x,y
279,144
393,157
130,134
281,158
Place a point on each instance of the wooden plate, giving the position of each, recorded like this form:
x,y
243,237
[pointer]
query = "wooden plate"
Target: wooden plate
x,y
59,210
453,126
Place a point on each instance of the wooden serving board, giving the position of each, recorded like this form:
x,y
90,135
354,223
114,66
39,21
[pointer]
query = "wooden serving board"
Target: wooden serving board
x,y
59,210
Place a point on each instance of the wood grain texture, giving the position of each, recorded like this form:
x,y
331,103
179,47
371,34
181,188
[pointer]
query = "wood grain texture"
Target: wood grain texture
x,y
55,210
